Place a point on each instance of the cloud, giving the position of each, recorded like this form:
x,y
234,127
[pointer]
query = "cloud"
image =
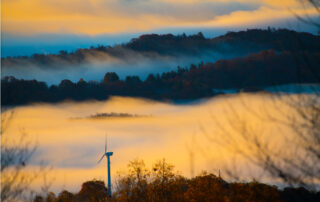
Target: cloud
x,y
116,16
184,12
264,14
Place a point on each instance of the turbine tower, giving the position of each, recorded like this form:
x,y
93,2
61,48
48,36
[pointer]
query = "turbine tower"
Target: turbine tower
x,y
107,154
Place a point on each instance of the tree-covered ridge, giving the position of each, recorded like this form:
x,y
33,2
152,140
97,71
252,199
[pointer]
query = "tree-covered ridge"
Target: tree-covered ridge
x,y
252,72
162,183
151,45
249,40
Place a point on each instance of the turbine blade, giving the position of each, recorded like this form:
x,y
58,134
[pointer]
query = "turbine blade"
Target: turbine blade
x,y
106,144
101,158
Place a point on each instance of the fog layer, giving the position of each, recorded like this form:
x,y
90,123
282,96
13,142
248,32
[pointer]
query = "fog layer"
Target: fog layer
x,y
95,64
73,146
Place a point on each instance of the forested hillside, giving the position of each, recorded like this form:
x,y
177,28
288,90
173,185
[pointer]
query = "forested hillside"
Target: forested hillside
x,y
153,45
253,72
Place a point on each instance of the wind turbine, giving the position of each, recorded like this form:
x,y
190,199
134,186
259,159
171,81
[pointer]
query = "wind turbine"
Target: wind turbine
x,y
107,154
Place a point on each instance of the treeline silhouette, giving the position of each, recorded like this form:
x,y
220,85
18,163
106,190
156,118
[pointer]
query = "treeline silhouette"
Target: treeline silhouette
x,y
246,41
163,184
151,45
253,72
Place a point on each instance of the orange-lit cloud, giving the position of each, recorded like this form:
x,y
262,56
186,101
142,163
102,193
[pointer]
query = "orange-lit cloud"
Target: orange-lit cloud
x,y
262,15
115,16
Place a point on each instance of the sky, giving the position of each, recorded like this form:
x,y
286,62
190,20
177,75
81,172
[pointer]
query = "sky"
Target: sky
x,y
47,26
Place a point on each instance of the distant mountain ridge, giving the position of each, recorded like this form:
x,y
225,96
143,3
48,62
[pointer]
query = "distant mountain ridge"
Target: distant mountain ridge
x,y
154,45
280,40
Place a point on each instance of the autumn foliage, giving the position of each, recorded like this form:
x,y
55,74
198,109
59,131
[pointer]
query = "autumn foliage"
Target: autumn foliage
x,y
162,183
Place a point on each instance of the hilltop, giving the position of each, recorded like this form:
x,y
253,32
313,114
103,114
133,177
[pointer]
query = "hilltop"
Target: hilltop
x,y
153,45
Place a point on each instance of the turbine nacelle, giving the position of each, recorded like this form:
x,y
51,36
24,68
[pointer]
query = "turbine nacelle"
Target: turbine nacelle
x,y
109,153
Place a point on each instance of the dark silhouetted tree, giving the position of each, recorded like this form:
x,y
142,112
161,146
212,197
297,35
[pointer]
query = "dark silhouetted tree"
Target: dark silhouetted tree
x,y
110,77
